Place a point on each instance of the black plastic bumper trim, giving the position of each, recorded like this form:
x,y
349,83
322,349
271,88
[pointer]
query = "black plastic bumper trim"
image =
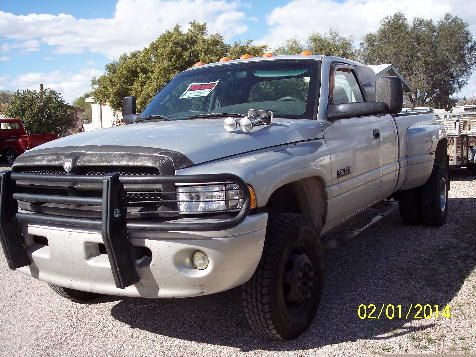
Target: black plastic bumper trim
x,y
10,234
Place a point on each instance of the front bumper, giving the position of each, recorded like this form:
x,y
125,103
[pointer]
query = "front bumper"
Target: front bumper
x,y
120,256
72,259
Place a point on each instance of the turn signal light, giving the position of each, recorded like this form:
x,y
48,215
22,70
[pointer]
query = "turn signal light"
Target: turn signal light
x,y
246,56
253,203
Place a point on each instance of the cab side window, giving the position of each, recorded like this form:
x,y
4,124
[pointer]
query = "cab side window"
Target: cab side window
x,y
346,88
9,126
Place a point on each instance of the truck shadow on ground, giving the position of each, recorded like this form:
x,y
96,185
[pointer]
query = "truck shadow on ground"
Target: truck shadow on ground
x,y
388,264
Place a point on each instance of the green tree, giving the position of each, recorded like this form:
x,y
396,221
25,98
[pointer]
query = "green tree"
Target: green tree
x,y
143,73
5,99
41,111
329,44
80,102
436,58
237,49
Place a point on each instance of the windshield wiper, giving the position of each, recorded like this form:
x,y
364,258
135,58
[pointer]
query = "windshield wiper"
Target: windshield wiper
x,y
216,115
151,118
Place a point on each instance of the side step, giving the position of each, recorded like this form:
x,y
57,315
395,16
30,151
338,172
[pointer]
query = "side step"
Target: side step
x,y
342,235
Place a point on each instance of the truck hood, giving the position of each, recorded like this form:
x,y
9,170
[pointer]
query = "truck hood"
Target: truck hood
x,y
199,140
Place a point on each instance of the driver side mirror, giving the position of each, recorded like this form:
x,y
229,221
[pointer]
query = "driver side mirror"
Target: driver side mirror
x,y
129,109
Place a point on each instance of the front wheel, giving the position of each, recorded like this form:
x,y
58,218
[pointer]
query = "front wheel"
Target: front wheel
x,y
10,155
282,297
81,297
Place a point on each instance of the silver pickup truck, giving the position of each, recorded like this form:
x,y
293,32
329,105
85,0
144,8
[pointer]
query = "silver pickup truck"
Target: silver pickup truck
x,y
228,177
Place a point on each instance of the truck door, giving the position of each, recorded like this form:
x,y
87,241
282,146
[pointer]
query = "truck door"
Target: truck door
x,y
355,149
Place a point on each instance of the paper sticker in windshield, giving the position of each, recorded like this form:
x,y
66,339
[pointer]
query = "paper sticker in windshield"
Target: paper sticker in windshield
x,y
198,90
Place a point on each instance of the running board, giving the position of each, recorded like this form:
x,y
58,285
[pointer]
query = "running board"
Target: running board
x,y
342,235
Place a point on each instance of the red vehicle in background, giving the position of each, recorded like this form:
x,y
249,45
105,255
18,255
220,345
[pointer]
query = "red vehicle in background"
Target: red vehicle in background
x,y
14,140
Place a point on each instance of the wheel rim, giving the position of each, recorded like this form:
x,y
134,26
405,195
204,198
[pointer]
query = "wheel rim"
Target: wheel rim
x,y
10,157
299,279
443,194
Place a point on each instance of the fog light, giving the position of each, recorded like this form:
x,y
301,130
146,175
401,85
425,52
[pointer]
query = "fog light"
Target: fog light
x,y
199,260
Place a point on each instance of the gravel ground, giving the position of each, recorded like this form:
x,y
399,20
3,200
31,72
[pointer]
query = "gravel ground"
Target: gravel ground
x,y
387,264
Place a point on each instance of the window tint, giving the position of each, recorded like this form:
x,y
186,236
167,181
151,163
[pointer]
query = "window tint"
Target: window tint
x,y
9,126
294,91
346,87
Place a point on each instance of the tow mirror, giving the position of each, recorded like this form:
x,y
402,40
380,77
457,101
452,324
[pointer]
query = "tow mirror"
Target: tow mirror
x,y
389,90
352,110
129,109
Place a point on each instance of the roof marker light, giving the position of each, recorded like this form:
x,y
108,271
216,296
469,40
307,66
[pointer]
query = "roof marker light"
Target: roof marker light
x,y
306,53
268,54
198,64
246,56
225,59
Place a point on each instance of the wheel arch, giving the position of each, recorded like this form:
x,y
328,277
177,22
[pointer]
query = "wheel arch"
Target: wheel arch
x,y
9,147
306,196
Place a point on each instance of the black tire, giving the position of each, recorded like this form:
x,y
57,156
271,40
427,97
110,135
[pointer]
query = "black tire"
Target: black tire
x,y
409,206
10,155
81,297
434,193
282,297
472,169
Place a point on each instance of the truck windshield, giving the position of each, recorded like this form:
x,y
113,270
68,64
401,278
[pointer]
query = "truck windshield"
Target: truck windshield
x,y
286,87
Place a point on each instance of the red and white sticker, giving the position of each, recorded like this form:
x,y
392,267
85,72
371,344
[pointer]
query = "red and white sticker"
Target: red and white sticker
x,y
199,89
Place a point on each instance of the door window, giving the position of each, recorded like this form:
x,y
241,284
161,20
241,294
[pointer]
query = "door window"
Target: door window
x,y
346,88
9,126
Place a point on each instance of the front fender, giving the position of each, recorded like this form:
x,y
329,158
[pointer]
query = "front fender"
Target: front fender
x,y
267,170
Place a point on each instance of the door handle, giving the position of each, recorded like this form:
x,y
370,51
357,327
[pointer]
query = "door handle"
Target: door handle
x,y
376,134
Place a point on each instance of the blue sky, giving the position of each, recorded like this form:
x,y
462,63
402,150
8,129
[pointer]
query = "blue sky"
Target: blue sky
x,y
64,43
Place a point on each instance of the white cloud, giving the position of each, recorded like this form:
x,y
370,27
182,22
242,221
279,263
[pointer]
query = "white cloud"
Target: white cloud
x,y
5,47
27,46
4,58
134,25
70,85
354,18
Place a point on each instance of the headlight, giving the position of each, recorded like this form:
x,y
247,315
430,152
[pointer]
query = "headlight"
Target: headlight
x,y
209,198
